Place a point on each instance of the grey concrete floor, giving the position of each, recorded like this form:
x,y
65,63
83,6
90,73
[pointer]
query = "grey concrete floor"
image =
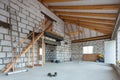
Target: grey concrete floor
x,y
67,71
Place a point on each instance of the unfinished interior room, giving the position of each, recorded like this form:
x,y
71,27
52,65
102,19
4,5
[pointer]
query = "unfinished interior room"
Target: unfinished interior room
x,y
59,39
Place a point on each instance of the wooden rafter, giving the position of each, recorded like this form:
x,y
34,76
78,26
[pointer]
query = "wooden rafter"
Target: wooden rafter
x,y
92,39
53,1
78,29
88,7
108,26
102,30
105,21
97,29
49,28
108,15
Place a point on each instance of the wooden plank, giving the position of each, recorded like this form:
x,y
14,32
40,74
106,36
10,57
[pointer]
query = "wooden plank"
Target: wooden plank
x,y
78,29
108,26
90,57
28,57
24,39
38,52
5,70
54,1
43,50
88,7
104,21
92,39
99,29
108,15
102,30
49,27
33,49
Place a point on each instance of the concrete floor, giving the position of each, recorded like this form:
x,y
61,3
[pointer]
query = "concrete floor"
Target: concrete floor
x,y
68,71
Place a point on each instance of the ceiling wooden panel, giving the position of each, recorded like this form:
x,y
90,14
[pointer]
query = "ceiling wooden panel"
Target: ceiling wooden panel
x,y
96,16
88,7
108,15
105,21
54,1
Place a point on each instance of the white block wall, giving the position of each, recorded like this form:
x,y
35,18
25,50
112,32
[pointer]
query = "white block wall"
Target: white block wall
x,y
63,52
28,15
77,48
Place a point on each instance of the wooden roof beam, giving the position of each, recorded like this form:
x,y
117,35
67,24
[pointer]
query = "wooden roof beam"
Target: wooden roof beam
x,y
88,7
102,30
92,39
105,21
54,1
92,24
108,15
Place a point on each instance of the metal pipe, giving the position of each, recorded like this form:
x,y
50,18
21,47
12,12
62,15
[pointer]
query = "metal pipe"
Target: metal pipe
x,y
15,72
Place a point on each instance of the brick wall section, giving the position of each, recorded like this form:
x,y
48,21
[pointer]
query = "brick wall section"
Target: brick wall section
x,y
77,48
63,52
28,15
50,52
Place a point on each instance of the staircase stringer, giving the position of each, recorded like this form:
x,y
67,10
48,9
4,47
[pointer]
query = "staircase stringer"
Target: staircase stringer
x,y
10,64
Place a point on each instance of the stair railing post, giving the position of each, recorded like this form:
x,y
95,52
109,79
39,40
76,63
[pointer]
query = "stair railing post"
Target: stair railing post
x,y
33,49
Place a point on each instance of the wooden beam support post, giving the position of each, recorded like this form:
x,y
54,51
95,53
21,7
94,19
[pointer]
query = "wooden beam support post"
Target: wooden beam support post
x,y
38,53
28,57
33,49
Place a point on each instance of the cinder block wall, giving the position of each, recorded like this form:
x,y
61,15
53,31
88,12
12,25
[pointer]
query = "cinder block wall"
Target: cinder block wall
x,y
63,52
77,48
50,53
28,15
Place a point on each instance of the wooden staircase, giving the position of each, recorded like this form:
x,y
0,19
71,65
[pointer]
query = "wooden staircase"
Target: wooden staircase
x,y
9,66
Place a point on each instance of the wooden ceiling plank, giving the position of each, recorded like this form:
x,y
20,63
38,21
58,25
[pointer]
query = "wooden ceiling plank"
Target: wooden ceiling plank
x,y
105,21
94,28
92,39
49,28
108,26
108,15
88,7
54,1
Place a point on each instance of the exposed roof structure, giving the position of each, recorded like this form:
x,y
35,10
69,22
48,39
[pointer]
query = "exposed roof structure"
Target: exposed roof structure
x,y
86,18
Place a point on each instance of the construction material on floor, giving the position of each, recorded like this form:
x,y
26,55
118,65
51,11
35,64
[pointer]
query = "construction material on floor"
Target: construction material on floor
x,y
90,57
